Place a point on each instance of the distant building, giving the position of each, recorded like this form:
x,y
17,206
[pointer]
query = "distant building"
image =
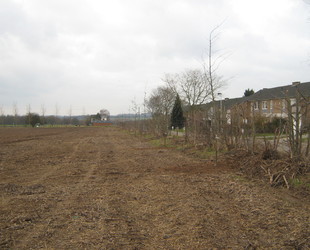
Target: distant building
x,y
95,122
102,120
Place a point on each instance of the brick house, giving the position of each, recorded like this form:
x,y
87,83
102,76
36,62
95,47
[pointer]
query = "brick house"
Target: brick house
x,y
276,102
273,102
267,102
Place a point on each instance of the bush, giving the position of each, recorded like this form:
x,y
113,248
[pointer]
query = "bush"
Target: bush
x,y
263,125
260,124
274,124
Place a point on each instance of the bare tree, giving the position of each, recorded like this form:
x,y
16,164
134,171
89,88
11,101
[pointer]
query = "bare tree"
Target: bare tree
x,y
144,104
171,81
28,111
194,89
15,113
160,104
136,110
56,113
70,114
212,63
161,101
2,115
43,110
297,122
190,85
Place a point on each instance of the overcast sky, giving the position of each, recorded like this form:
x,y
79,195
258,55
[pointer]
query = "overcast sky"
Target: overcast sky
x,y
102,54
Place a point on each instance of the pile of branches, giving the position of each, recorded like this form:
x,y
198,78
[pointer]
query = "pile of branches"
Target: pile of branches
x,y
270,165
280,171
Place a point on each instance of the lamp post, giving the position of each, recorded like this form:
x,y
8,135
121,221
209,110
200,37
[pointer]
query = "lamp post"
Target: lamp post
x,y
220,116
220,96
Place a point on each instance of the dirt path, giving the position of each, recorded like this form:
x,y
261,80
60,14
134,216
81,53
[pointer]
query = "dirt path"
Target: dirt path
x,y
88,188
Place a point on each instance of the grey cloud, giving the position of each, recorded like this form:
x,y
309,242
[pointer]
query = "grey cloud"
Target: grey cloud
x,y
103,53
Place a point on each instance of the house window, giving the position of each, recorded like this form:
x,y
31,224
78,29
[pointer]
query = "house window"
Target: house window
x,y
264,105
255,105
271,104
283,104
293,101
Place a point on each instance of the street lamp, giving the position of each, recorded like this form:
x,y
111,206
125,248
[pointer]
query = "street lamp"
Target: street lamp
x,y
220,117
220,95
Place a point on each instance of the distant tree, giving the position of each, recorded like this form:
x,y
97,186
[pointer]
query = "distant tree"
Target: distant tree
x,y
160,104
70,114
56,114
96,116
28,108
75,121
248,92
43,110
15,113
33,119
87,120
177,118
2,115
104,115
161,101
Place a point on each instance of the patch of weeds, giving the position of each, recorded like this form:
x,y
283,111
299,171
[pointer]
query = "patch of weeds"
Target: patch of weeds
x,y
206,153
267,136
149,137
125,131
209,153
301,185
298,183
295,182
179,130
161,143
156,142
264,135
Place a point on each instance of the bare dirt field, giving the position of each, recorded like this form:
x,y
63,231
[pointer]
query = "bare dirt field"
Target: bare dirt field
x,y
101,188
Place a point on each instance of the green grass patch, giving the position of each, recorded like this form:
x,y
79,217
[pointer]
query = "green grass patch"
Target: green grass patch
x,y
303,182
160,142
148,136
206,153
296,182
16,126
265,135
179,130
268,135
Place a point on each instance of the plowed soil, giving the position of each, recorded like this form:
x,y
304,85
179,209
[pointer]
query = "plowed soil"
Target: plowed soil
x,y
101,188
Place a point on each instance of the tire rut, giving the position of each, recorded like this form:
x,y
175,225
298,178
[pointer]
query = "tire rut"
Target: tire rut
x,y
65,199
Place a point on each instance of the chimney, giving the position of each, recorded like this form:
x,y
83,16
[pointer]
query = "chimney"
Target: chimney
x,y
295,83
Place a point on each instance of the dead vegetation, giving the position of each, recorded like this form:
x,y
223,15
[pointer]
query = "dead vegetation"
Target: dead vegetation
x,y
101,188
273,168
